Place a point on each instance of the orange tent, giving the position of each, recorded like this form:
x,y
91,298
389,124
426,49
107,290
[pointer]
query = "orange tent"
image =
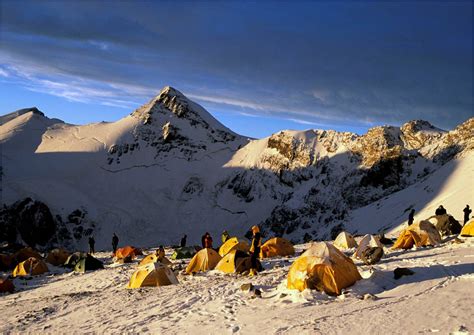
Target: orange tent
x,y
324,268
235,261
206,259
128,251
233,244
57,257
31,267
277,246
152,274
6,285
421,233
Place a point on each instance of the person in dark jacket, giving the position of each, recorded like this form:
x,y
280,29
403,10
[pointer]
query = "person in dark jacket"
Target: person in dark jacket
x,y
467,211
207,241
255,249
115,241
183,241
91,245
440,210
411,217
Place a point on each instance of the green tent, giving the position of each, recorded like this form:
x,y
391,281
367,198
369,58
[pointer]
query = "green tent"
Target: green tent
x,y
88,263
73,259
185,252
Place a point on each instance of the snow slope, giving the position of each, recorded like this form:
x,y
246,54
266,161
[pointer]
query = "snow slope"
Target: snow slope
x,y
436,299
170,168
449,186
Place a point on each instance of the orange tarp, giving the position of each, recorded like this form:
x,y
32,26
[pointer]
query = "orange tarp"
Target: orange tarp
x,y
128,251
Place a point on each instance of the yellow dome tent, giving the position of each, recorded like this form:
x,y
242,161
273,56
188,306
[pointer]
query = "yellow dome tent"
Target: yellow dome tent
x,y
152,274
235,261
233,244
153,258
31,267
277,246
345,241
421,234
367,241
324,268
468,229
206,259
57,257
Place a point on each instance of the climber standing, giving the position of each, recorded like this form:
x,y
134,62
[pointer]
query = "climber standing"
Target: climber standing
x,y
255,249
440,210
91,245
207,241
183,241
160,253
411,217
115,241
467,211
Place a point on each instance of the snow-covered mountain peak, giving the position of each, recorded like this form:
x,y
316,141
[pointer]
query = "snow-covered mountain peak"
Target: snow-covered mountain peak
x,y
20,112
174,110
419,133
420,125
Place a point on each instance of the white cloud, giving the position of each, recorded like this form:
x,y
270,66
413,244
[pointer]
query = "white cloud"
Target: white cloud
x,y
4,73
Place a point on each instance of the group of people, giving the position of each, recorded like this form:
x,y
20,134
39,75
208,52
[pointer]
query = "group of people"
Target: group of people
x,y
441,211
115,241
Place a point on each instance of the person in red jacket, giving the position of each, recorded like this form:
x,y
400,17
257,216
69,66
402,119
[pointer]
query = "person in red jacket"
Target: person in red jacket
x,y
207,241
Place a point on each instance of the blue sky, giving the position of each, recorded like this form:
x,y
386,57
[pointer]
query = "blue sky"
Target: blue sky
x,y
257,67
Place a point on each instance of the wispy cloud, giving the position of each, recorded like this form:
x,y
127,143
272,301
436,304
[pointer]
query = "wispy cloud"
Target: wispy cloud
x,y
4,73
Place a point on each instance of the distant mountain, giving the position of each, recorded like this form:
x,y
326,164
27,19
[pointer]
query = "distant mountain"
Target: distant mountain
x,y
170,168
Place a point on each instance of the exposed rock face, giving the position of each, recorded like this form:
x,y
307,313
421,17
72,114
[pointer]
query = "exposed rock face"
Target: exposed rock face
x,y
170,159
170,124
31,219
417,134
31,222
350,171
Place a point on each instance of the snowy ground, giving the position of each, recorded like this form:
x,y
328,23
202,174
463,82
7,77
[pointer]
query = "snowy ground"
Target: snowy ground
x,y
438,298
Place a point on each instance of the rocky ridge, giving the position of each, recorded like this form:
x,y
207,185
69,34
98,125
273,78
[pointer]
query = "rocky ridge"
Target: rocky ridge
x,y
170,159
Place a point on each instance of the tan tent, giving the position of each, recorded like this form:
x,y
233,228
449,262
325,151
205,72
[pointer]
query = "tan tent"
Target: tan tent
x,y
235,261
152,274
345,241
6,285
277,246
206,259
233,244
31,267
153,258
57,257
421,233
324,268
468,229
367,241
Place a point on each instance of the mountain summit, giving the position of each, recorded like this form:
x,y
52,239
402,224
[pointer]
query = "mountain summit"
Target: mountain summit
x,y
171,168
